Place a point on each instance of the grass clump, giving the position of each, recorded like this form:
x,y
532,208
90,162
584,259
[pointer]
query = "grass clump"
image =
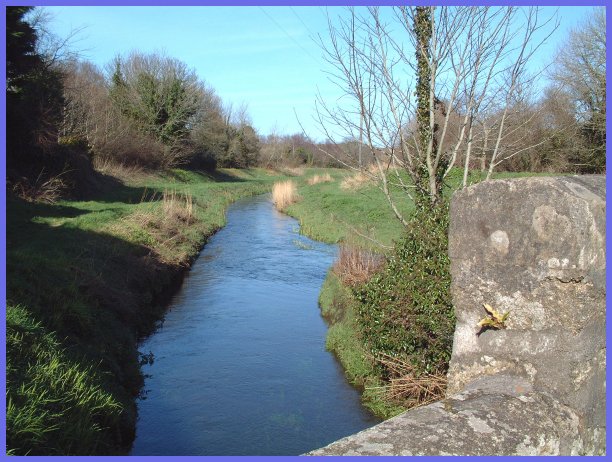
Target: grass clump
x,y
284,193
316,179
52,401
356,265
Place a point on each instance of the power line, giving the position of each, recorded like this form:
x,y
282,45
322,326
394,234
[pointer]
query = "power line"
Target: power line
x,y
303,23
288,35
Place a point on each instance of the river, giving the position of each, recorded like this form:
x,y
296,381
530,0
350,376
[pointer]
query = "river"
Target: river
x,y
240,366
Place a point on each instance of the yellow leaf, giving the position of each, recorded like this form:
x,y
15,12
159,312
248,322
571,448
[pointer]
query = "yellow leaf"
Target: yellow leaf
x,y
495,320
492,311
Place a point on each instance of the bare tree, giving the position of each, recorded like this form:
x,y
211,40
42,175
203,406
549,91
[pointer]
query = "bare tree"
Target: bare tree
x,y
476,59
580,73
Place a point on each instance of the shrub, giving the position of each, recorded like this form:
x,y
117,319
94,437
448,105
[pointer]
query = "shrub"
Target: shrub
x,y
406,310
284,193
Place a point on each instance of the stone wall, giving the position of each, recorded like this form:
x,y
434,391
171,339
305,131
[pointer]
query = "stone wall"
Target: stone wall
x,y
534,247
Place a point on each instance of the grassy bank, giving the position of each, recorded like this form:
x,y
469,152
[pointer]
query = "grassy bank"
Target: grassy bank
x,y
370,320
349,209
339,307
345,211
86,280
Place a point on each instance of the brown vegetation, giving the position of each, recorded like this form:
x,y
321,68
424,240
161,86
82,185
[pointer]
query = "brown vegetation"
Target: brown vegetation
x,y
325,178
284,193
123,172
42,189
407,388
356,265
360,178
162,232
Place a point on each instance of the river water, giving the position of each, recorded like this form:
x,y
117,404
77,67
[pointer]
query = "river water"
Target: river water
x,y
240,366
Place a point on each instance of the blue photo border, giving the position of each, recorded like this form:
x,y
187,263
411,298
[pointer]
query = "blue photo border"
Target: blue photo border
x,y
219,3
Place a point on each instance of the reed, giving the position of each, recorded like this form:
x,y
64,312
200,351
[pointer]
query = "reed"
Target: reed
x,y
356,265
408,388
284,193
325,178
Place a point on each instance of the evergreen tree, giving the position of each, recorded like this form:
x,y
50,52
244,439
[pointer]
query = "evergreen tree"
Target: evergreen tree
x,y
33,95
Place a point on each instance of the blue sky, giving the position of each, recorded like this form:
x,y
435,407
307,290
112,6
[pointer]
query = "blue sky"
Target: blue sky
x,y
262,56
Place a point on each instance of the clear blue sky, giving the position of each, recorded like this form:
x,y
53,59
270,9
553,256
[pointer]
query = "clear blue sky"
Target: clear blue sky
x,y
262,56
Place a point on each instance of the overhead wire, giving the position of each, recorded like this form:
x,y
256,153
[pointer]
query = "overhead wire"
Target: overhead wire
x,y
288,35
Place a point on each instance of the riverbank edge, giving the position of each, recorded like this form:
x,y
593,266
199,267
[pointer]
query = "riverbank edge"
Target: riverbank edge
x,y
154,292
338,308
171,281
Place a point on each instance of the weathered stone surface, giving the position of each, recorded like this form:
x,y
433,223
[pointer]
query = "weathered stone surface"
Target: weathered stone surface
x,y
501,415
534,247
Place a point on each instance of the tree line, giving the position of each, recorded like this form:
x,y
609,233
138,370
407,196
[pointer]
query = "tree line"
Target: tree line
x,y
148,110
432,89
484,110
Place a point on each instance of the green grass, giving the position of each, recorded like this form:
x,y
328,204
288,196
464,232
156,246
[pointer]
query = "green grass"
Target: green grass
x,y
85,280
55,404
331,214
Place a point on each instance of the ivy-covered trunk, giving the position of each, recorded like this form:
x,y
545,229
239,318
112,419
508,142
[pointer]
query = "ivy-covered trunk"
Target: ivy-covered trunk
x,y
428,176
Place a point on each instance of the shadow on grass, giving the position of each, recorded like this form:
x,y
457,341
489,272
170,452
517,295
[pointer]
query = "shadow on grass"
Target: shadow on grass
x,y
110,189
97,292
218,176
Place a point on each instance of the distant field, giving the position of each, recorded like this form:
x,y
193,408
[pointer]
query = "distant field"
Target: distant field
x,y
331,212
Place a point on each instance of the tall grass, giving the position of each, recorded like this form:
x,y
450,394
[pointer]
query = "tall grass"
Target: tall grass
x,y
43,189
177,206
115,169
54,404
356,265
360,179
284,193
324,178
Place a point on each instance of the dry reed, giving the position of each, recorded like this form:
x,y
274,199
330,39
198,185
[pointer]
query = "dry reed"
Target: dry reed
x,y
355,265
360,179
407,388
177,207
284,193
110,167
47,190
159,226
325,178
